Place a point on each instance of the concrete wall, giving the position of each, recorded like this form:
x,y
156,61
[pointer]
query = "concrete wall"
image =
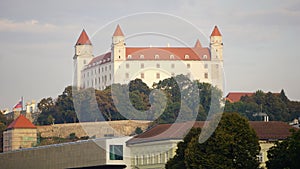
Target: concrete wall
x,y
97,129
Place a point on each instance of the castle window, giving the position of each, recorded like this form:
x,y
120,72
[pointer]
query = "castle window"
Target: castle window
x,y
157,75
142,65
102,69
99,70
188,66
186,56
84,61
217,66
109,67
88,74
142,75
172,65
127,75
109,76
105,68
157,65
129,56
99,80
119,57
206,75
204,56
205,66
171,56
141,56
127,65
156,56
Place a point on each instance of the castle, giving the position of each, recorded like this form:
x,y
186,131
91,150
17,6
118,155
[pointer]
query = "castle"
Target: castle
x,y
151,64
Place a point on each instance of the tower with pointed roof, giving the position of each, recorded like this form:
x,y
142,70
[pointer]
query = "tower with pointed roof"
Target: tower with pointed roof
x,y
216,51
21,133
216,44
83,55
118,45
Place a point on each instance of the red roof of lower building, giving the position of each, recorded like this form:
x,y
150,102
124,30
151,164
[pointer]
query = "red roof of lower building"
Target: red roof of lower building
x,y
236,96
272,130
21,122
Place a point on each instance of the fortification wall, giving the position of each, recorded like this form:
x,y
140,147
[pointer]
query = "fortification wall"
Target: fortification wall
x,y
93,129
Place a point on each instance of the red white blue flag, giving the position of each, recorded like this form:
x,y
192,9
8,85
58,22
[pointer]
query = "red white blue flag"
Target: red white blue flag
x,y
18,105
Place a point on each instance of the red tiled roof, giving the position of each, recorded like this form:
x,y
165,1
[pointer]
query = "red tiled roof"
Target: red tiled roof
x,y
164,53
198,44
174,131
236,96
105,58
216,32
21,122
265,131
118,31
83,39
276,130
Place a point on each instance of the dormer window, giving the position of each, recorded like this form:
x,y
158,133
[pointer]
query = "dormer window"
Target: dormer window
x,y
171,56
186,56
204,56
129,56
141,56
156,56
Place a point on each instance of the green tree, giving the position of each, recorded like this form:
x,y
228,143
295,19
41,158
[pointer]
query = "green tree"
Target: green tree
x,y
138,130
233,145
285,154
178,161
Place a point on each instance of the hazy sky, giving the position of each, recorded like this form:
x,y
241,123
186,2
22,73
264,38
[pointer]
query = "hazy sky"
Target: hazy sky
x,y
37,41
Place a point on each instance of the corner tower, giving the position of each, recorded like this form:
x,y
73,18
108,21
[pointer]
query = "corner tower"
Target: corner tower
x,y
118,45
83,55
216,44
216,52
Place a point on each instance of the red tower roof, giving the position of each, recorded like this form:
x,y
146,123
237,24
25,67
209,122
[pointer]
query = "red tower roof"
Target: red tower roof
x,y
198,44
21,122
118,31
83,39
216,32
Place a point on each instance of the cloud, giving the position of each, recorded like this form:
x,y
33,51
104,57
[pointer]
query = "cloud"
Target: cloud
x,y
32,26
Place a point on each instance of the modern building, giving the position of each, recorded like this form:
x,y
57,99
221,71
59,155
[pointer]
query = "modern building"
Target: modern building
x,y
103,153
151,64
153,148
21,133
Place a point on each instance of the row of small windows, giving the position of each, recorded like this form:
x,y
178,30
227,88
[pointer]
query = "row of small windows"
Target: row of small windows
x,y
152,159
171,56
96,70
172,65
142,75
98,80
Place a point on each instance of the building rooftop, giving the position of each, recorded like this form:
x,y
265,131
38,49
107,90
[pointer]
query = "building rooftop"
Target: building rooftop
x,y
236,96
83,39
273,130
21,122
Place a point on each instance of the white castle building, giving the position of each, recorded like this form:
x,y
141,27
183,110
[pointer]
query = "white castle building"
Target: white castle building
x,y
151,64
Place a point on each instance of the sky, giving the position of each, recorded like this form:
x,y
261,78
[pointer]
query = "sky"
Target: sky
x,y
37,40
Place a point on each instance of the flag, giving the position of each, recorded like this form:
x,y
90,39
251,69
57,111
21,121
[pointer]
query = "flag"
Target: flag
x,y
18,105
